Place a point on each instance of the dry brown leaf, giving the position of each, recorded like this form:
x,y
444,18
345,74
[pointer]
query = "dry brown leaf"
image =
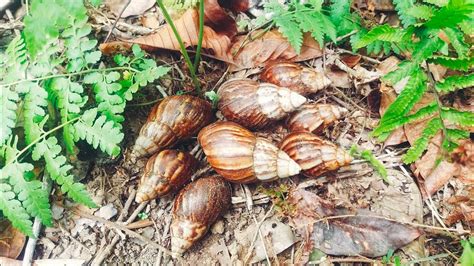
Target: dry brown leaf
x,y
464,156
135,8
339,78
361,234
350,60
216,18
268,47
216,45
11,240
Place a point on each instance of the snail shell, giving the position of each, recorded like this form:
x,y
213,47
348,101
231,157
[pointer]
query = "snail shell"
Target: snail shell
x,y
236,154
196,208
314,117
176,118
315,155
165,172
256,105
302,80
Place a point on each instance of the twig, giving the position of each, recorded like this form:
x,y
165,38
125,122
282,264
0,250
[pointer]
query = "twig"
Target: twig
x,y
259,224
116,21
31,245
126,230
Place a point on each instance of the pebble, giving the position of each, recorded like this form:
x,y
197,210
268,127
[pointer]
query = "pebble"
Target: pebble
x,y
218,228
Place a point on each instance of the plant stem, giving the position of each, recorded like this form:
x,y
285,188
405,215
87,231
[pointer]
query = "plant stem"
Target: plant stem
x,y
438,101
181,45
70,74
201,35
40,138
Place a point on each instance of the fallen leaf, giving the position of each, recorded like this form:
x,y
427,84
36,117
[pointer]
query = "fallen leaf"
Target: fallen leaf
x,y
270,46
278,237
464,156
238,5
135,8
216,18
339,78
350,60
11,240
216,45
361,235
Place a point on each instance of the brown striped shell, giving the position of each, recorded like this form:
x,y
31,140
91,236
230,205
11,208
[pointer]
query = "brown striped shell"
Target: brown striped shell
x,y
299,79
165,172
236,154
176,118
256,105
315,155
314,117
196,207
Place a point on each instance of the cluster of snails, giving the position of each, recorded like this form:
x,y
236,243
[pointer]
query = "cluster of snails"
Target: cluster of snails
x,y
231,149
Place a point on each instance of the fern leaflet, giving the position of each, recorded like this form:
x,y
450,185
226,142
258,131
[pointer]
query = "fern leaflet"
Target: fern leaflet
x,y
421,11
453,83
402,7
421,143
380,33
458,117
454,63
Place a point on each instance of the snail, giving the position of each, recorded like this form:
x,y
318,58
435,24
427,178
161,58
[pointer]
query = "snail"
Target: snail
x,y
165,172
240,157
314,117
256,105
196,207
314,155
176,118
302,80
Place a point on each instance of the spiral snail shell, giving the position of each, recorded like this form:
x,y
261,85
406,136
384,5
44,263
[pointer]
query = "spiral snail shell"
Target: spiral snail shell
x,y
165,172
315,155
196,207
241,157
299,79
256,105
175,119
314,117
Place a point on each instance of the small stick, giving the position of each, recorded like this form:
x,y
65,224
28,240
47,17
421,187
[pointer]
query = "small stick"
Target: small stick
x,y
259,224
125,230
116,21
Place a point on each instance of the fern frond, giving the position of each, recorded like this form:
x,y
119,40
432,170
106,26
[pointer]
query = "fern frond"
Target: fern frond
x,y
68,97
339,10
457,41
15,61
439,3
13,210
453,83
405,69
380,33
33,110
451,15
8,100
402,7
98,132
459,118
421,143
454,63
312,23
291,30
421,12
58,170
410,95
426,48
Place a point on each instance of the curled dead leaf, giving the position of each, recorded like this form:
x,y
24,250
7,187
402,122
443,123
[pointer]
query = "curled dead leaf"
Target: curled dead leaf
x,y
270,46
215,45
11,240
350,60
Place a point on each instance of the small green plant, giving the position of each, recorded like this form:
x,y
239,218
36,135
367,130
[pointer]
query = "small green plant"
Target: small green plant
x,y
370,158
193,67
467,257
437,32
278,197
53,95
389,259
143,216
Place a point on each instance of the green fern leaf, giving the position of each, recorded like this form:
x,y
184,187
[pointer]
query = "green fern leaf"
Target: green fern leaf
x,y
8,100
339,10
426,48
290,30
458,117
454,63
457,41
68,97
380,33
451,15
312,23
457,134
410,95
98,132
14,62
453,83
405,69
420,145
402,7
58,170
13,210
33,111
421,11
